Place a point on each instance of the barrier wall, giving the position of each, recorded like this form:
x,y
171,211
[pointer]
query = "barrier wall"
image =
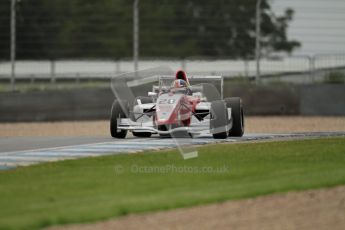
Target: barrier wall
x,y
91,104
323,100
83,104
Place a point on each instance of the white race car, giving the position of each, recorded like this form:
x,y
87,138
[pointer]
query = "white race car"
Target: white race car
x,y
175,108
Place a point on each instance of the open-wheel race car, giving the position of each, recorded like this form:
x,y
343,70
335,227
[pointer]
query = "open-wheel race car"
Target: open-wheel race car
x,y
175,106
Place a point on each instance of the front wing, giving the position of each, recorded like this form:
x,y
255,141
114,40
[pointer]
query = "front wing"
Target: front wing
x,y
194,128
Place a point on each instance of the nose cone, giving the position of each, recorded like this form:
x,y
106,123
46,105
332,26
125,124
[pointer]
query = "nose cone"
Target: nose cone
x,y
167,108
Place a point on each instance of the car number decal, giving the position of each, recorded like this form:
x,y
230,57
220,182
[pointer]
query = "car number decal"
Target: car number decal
x,y
166,101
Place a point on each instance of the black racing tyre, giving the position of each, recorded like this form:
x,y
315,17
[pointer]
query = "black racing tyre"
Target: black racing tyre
x,y
219,120
117,112
237,114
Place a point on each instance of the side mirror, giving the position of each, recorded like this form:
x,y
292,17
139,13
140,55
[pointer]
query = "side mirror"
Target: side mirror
x,y
152,94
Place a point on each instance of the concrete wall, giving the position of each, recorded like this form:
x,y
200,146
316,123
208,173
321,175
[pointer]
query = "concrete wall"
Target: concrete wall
x,y
266,100
83,104
323,100
89,104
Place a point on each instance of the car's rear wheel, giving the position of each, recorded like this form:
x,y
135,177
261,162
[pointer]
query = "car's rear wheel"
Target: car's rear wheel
x,y
219,120
237,114
117,112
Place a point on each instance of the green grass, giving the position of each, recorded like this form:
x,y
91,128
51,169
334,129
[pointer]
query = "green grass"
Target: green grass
x,y
91,189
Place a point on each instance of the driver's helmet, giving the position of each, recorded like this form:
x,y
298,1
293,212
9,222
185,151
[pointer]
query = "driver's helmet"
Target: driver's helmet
x,y
179,83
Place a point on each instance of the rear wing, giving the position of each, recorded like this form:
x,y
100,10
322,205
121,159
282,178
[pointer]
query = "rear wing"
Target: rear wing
x,y
161,78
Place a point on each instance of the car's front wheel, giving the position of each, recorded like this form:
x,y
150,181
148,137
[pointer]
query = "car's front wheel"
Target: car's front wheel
x,y
116,113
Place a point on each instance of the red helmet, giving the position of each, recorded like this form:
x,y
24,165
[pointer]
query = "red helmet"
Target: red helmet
x,y
180,74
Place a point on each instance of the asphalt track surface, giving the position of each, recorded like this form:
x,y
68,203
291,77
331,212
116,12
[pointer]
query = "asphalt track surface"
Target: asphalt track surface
x,y
23,151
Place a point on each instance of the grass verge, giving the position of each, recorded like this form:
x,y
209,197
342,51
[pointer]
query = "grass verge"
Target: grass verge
x,y
91,189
